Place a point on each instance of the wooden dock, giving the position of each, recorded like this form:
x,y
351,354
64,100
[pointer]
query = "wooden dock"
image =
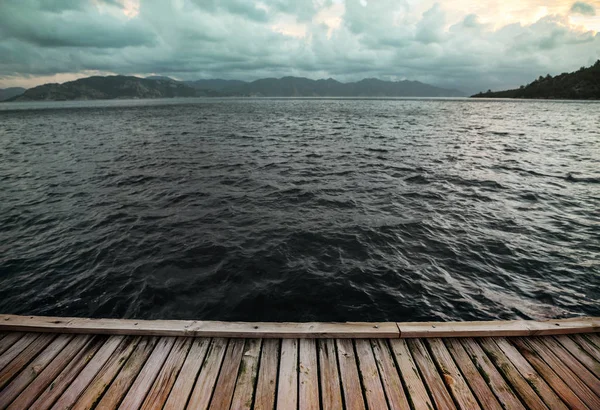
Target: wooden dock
x,y
70,363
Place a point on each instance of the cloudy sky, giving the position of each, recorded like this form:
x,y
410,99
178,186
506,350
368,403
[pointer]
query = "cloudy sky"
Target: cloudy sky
x,y
466,44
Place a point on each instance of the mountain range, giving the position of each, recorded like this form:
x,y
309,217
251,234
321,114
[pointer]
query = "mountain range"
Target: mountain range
x,y
7,93
113,87
583,84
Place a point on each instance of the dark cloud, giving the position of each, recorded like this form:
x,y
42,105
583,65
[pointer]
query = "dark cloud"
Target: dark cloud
x,y
583,8
191,39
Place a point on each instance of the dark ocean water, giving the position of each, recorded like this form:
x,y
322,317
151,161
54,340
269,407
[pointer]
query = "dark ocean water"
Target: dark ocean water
x,y
301,209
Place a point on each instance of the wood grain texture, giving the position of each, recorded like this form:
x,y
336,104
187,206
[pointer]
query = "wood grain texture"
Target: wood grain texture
x,y
287,388
521,376
225,386
9,340
31,370
266,385
353,397
308,369
159,392
244,388
329,375
430,374
20,361
416,392
187,377
369,373
16,348
50,373
121,384
207,378
144,380
586,345
570,387
493,378
390,377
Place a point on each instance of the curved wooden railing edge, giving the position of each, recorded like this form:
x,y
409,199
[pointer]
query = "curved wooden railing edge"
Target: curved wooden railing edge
x,y
201,328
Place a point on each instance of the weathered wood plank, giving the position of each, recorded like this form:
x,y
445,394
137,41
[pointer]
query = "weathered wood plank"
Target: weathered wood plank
x,y
31,371
417,393
287,391
430,374
586,345
207,378
225,386
329,375
65,379
373,389
575,362
244,388
196,328
267,375
452,375
534,351
389,375
158,394
187,377
9,340
94,391
50,372
121,384
353,397
309,375
521,377
11,369
143,382
491,375
16,348
78,384
472,375
594,338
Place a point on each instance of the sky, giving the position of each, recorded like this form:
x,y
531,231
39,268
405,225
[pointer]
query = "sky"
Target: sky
x,y
470,45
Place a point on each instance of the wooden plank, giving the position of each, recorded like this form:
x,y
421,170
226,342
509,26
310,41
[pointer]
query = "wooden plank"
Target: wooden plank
x,y
187,377
31,371
124,379
534,350
472,375
267,375
389,375
577,360
491,375
417,393
353,397
287,391
430,374
329,374
140,387
594,338
372,387
16,348
586,345
522,377
225,386
94,391
50,372
196,328
114,344
11,369
9,340
61,382
244,388
452,375
158,394
203,389
309,376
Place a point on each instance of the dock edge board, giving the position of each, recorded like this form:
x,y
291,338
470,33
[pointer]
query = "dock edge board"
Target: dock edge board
x,y
355,330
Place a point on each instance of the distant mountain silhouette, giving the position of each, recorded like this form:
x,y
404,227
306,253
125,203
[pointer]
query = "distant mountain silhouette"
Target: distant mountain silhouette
x,y
583,84
111,87
7,93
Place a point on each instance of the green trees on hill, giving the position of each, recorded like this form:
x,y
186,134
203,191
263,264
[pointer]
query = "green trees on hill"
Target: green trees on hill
x,y
582,84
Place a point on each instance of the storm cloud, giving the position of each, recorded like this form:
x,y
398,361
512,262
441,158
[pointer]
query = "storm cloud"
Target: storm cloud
x,y
454,44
